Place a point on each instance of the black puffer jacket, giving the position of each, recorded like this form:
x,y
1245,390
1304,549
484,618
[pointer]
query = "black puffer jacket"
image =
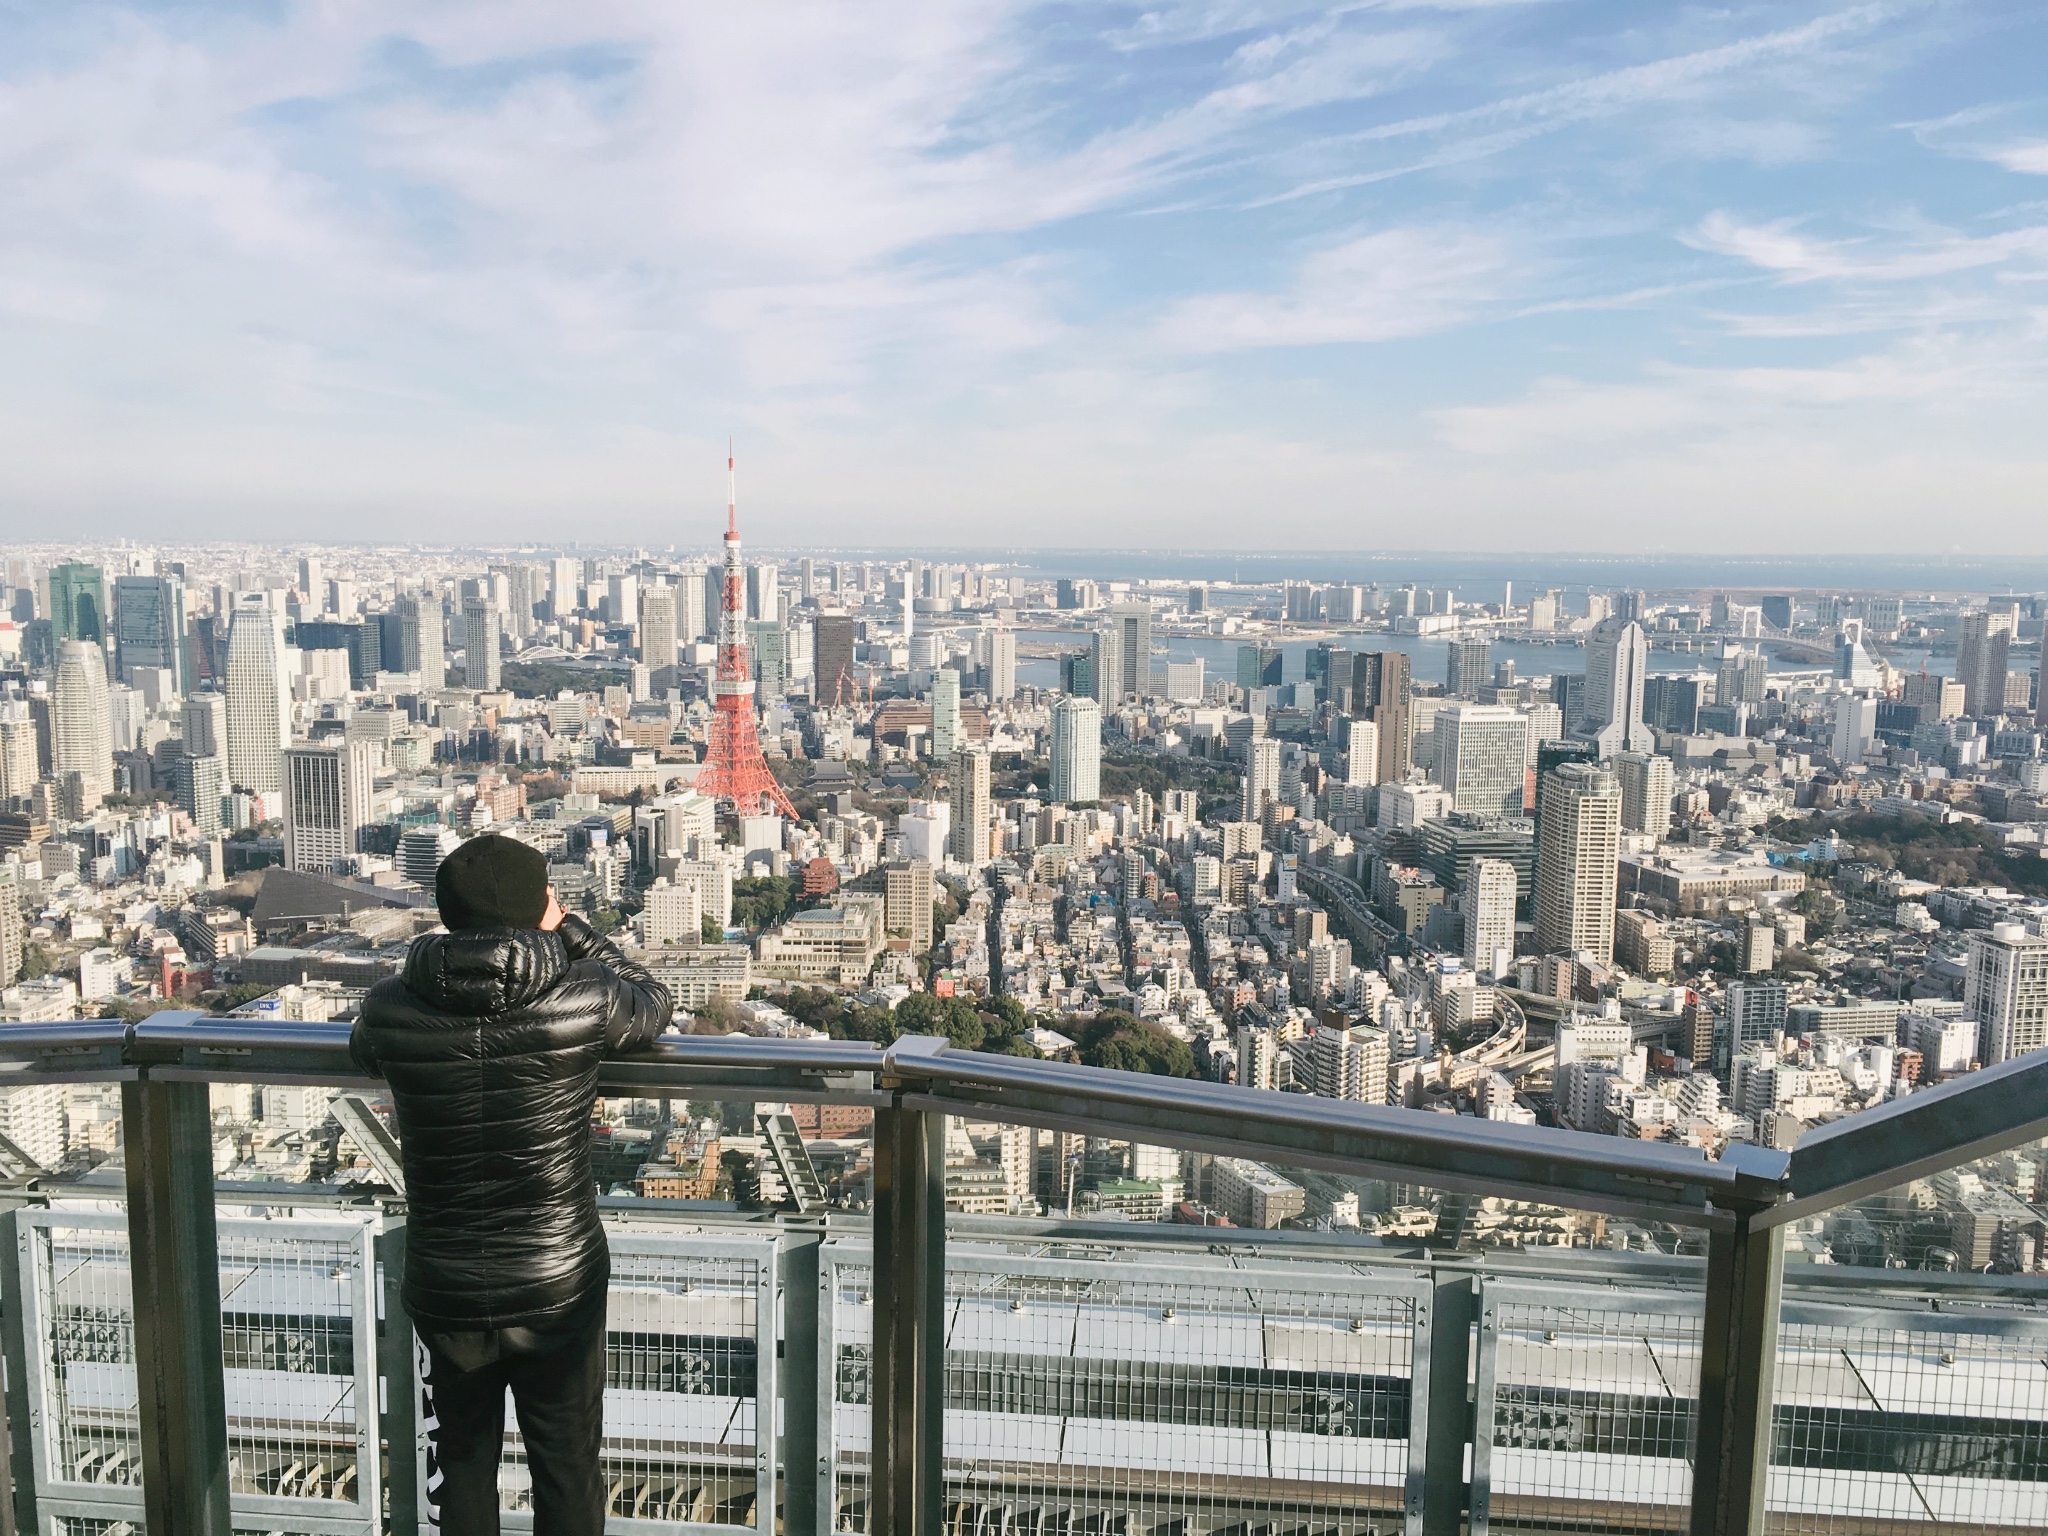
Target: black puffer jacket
x,y
491,1041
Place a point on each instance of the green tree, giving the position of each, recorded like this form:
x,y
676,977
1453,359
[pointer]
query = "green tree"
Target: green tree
x,y
1128,1044
712,933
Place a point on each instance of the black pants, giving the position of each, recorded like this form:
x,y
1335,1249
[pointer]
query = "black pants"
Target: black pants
x,y
557,1383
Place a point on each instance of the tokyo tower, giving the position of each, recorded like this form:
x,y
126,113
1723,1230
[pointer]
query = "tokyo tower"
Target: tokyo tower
x,y
734,769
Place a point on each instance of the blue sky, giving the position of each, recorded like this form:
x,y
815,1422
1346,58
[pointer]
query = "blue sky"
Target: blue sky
x,y
1530,275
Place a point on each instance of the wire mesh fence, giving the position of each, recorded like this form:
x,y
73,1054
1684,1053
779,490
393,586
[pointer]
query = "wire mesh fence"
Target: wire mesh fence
x,y
689,1360
1920,1417
1586,1407
297,1331
1095,1389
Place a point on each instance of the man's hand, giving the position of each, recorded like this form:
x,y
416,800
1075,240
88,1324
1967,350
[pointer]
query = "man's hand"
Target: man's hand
x,y
551,919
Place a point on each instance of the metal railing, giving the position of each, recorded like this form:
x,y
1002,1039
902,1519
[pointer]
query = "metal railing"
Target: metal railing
x,y
915,1373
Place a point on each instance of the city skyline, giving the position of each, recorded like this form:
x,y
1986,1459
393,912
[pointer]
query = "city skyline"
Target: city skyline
x,y
1755,280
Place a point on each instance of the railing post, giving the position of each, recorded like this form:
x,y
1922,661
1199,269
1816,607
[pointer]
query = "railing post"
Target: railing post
x,y
398,1400
1448,1407
174,1267
907,1361
798,1259
17,1454
1739,1355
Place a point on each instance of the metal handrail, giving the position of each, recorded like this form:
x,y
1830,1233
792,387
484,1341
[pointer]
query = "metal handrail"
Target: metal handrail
x,y
1968,1117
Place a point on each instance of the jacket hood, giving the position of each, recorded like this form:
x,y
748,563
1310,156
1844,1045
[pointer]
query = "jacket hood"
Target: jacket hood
x,y
485,970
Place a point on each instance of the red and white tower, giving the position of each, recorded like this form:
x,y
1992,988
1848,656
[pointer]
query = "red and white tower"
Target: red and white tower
x,y
734,769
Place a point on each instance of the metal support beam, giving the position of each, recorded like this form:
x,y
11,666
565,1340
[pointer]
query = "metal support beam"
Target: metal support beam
x,y
174,1267
398,1401
17,1456
907,1364
1453,1309
797,1258
1738,1365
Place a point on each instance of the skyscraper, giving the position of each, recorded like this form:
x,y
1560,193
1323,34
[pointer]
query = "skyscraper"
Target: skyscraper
x,y
1645,780
326,803
1002,665
2006,990
1380,693
832,657
1076,751
658,639
1981,649
78,602
480,656
1482,758
1362,754
1259,666
969,834
1106,665
522,596
149,628
422,641
565,578
764,598
1261,784
1489,908
946,736
1617,656
1133,625
81,725
206,725
1576,861
692,621
1468,666
259,713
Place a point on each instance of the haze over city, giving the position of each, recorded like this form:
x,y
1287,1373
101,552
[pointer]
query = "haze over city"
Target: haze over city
x,y
1553,276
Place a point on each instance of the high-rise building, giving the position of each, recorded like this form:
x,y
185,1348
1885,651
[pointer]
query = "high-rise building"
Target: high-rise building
x,y
908,889
1489,909
13,930
81,724
78,602
658,636
480,656
522,597
200,783
2006,990
946,735
1577,854
1259,666
1351,1063
1002,665
326,803
1261,785
1328,666
1981,649
1468,666
422,641
1133,625
764,595
1855,727
972,806
565,580
768,646
149,628
832,652
1380,693
1361,753
1754,1012
1645,780
1617,657
259,698
21,758
1076,751
1106,665
1482,758
622,599
206,725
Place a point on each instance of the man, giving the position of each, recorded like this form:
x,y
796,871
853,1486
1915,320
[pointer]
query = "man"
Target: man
x,y
491,1040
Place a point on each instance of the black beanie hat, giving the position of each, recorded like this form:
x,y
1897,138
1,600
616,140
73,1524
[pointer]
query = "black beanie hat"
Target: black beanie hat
x,y
492,882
